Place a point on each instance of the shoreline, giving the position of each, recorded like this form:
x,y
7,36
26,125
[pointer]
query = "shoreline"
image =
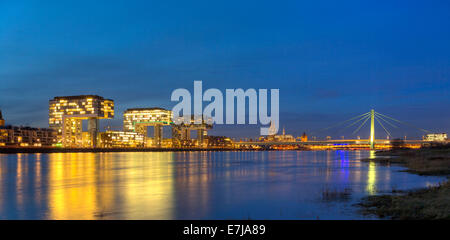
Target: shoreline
x,y
429,203
106,150
31,150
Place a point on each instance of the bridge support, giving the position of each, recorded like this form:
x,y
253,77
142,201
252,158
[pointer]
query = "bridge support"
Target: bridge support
x,y
93,130
372,129
158,133
200,137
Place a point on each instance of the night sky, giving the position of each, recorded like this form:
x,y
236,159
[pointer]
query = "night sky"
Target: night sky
x,y
330,60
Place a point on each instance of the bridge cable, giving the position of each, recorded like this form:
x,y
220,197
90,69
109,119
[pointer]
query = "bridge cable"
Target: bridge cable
x,y
367,118
405,123
340,123
377,115
376,118
362,118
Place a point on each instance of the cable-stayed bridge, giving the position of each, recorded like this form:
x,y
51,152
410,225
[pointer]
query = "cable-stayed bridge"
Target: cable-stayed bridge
x,y
385,122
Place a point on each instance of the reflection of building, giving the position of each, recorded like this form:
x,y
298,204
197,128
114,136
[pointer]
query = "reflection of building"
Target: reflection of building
x,y
67,113
436,137
26,136
111,139
139,119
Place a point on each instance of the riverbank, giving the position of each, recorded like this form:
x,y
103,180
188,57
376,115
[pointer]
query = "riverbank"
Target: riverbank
x,y
13,150
428,203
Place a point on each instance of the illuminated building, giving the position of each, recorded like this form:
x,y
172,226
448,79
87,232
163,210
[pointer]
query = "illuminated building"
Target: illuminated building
x,y
435,137
139,119
181,133
119,139
26,136
279,138
67,113
165,143
304,137
219,141
2,121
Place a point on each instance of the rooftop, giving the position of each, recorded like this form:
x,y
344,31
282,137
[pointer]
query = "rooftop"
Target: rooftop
x,y
79,97
25,128
144,109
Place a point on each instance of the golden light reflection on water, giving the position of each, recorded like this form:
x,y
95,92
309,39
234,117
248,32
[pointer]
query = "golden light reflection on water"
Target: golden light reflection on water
x,y
20,179
152,196
371,175
184,185
372,154
82,186
72,192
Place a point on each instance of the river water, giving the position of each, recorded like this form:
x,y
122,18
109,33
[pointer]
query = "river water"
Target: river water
x,y
195,185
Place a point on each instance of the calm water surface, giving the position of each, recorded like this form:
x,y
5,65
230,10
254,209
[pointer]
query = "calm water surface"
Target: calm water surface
x,y
194,185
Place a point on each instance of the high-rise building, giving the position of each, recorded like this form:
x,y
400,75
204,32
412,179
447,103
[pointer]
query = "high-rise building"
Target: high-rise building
x,y
139,119
181,132
67,113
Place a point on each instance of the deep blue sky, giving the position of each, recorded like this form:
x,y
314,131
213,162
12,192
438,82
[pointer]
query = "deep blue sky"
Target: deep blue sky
x,y
330,60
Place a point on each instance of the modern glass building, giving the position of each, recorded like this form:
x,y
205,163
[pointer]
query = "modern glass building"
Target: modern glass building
x,y
139,119
67,113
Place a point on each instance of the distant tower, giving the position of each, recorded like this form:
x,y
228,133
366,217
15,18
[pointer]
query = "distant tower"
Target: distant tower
x,y
2,121
304,137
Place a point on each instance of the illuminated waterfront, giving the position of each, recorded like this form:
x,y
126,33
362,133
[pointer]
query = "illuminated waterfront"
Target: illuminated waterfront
x,y
194,185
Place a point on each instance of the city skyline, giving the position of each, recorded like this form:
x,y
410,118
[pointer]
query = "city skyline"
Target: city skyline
x,y
245,112
81,109
391,57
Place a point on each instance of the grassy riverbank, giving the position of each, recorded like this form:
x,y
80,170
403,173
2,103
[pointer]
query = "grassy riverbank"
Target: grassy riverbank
x,y
427,203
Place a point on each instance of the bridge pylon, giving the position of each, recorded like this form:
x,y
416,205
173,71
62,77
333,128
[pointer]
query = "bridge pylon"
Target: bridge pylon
x,y
372,129
373,116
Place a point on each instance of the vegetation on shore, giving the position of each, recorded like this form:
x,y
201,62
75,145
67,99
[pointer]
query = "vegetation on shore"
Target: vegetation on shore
x,y
423,161
428,203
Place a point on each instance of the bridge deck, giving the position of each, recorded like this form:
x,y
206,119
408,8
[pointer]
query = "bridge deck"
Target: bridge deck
x,y
330,142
